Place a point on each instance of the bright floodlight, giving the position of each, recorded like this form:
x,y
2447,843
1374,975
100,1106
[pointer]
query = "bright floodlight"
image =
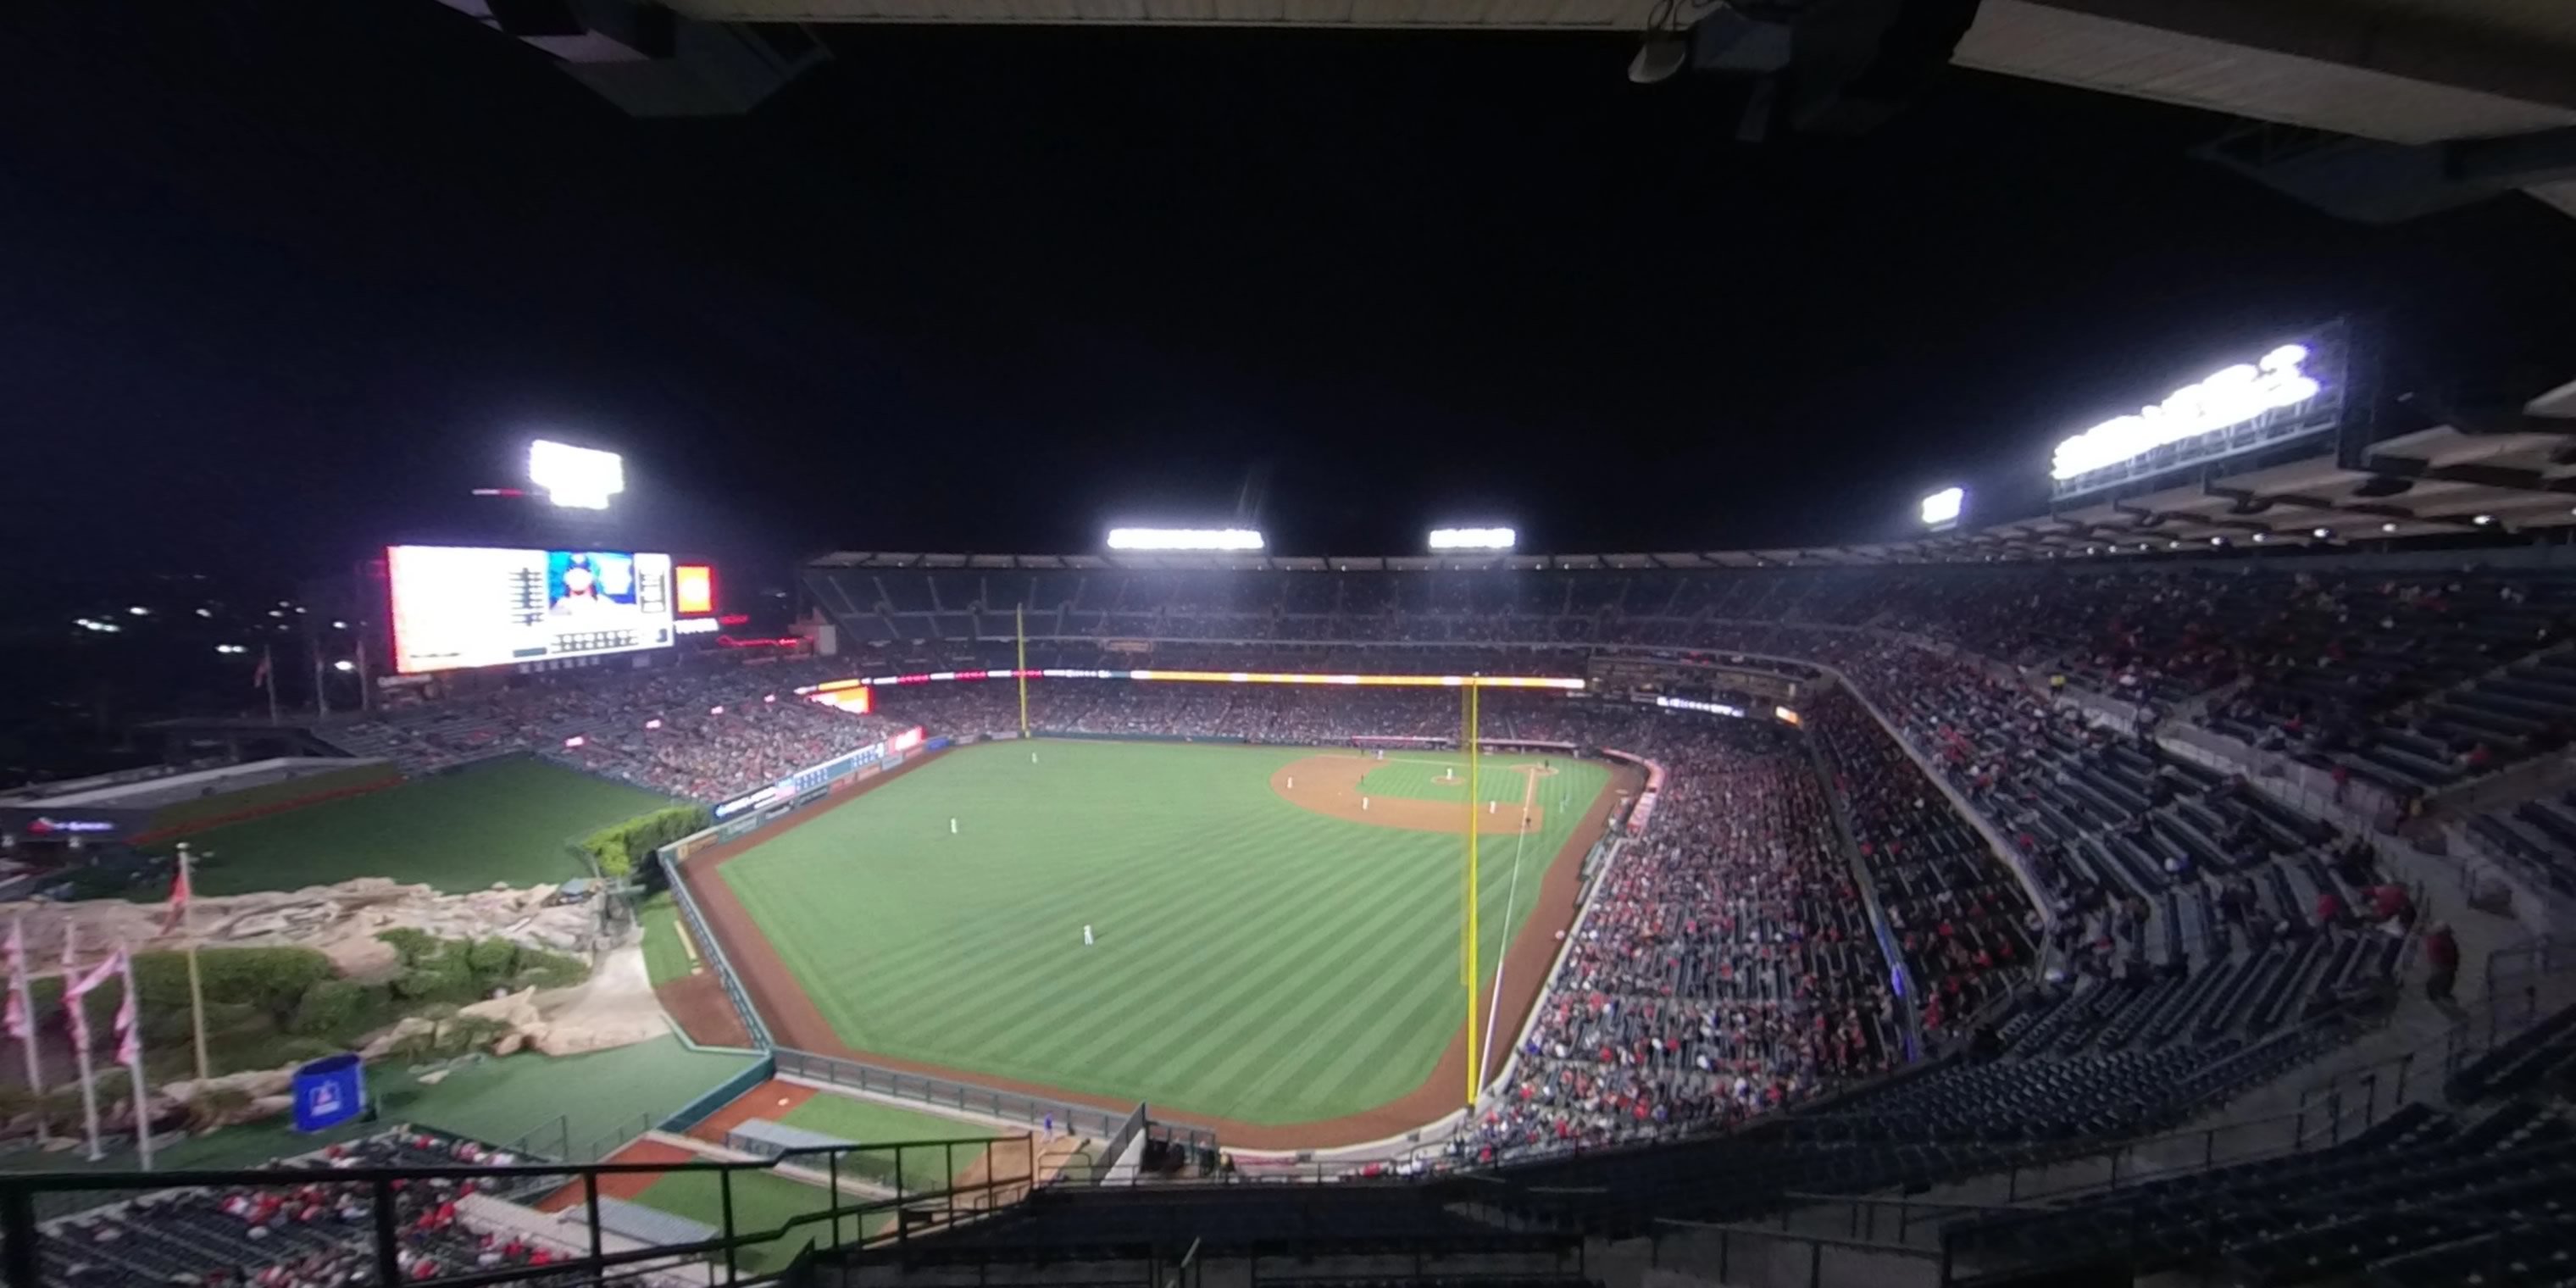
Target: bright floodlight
x,y
576,478
1184,539
2230,397
1473,538
1943,506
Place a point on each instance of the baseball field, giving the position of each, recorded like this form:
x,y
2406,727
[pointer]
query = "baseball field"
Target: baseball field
x,y
1274,932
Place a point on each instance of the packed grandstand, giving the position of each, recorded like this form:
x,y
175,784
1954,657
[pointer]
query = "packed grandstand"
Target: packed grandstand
x,y
2043,861
1726,968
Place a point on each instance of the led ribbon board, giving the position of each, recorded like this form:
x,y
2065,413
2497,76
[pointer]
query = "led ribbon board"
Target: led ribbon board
x,y
1211,677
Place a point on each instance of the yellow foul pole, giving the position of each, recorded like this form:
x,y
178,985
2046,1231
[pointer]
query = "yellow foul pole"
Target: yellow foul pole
x,y
1474,760
1020,617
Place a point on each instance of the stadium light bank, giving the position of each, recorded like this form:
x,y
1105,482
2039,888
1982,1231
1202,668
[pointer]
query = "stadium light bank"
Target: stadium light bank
x,y
1185,539
1942,509
2226,398
575,478
1473,538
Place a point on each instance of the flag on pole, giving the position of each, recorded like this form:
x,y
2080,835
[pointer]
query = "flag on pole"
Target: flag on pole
x,y
259,673
76,988
129,1034
22,1026
179,893
22,1020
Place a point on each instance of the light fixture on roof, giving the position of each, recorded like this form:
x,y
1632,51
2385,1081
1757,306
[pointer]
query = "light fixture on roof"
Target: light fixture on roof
x,y
1473,538
2229,397
2260,538
2322,533
2388,527
344,666
575,478
2218,541
205,612
1184,539
140,611
2483,520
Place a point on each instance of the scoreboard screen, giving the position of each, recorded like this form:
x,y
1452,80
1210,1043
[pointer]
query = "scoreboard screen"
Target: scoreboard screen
x,y
466,606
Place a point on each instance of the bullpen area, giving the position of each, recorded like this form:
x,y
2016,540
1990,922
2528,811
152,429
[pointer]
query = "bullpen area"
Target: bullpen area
x,y
1274,932
509,821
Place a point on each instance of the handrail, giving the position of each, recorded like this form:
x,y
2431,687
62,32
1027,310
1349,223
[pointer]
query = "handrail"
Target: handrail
x,y
21,1233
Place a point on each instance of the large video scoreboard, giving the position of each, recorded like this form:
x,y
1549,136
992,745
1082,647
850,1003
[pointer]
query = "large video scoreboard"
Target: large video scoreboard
x,y
467,606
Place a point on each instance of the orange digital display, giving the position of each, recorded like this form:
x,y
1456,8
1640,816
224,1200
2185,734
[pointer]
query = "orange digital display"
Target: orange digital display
x,y
858,701
694,588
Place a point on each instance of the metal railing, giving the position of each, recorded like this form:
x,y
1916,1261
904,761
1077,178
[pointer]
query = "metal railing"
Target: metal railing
x,y
715,953
949,1093
878,1206
2524,984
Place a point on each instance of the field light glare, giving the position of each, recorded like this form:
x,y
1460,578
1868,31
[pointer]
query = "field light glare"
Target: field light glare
x,y
1473,538
1944,506
575,478
1184,539
2229,397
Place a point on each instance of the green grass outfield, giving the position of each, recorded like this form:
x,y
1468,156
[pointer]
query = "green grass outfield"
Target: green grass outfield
x,y
869,1122
1256,960
502,820
593,1099
761,1201
666,954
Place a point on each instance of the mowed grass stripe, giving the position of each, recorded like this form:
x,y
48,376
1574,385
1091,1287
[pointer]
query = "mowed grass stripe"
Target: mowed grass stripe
x,y
931,982
1159,909
1009,951
1215,1016
1335,1006
1115,967
1256,960
1314,966
1338,1058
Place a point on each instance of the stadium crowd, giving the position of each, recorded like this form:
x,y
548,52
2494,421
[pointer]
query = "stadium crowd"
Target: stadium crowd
x,y
2403,673
704,733
1726,966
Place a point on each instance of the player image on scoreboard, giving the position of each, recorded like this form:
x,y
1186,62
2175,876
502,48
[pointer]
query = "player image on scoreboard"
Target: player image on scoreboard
x,y
588,583
456,606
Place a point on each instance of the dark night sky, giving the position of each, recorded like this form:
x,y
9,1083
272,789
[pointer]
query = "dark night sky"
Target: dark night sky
x,y
279,281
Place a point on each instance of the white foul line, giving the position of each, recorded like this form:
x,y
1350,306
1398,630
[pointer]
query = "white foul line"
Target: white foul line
x,y
1493,1009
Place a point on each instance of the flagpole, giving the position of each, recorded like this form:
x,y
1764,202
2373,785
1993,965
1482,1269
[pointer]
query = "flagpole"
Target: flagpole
x,y
73,1001
366,682
268,677
130,1045
186,894
26,1008
321,695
